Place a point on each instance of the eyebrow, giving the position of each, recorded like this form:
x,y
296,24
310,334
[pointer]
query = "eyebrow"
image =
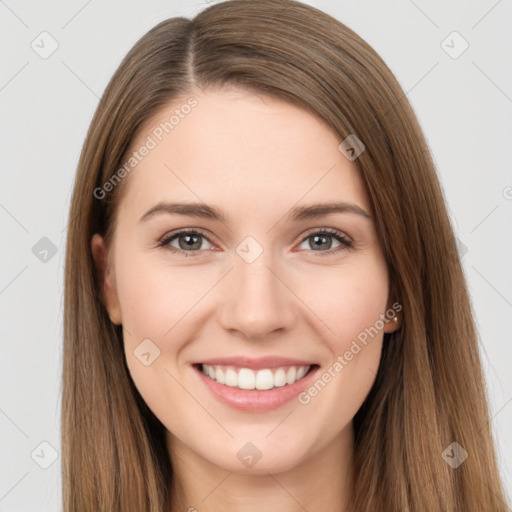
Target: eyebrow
x,y
297,213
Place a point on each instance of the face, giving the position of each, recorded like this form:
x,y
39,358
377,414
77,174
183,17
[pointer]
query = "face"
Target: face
x,y
253,285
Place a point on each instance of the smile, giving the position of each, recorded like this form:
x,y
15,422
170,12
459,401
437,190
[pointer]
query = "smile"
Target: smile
x,y
255,385
262,379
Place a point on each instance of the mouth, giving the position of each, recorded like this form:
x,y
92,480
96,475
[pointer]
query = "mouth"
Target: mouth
x,y
260,389
255,379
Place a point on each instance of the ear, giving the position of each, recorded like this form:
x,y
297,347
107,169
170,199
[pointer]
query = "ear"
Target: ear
x,y
393,322
105,278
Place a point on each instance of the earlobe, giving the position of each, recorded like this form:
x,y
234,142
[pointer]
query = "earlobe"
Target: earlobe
x,y
105,279
393,324
394,315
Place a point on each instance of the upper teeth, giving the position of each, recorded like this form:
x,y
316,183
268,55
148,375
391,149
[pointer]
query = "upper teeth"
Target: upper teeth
x,y
245,378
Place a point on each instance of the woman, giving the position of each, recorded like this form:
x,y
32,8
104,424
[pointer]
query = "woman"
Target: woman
x,y
216,356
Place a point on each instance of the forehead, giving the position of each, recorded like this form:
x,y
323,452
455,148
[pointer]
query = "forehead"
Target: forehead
x,y
241,151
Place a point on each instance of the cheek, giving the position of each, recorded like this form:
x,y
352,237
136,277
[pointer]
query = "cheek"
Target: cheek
x,y
353,309
349,301
158,303
156,298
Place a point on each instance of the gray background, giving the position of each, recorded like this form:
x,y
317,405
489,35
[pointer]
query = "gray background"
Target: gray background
x,y
46,104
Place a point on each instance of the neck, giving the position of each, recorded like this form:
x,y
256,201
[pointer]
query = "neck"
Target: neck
x,y
322,482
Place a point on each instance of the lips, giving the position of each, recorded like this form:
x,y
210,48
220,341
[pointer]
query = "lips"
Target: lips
x,y
255,385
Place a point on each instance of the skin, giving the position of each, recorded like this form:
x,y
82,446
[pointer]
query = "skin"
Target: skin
x,y
254,158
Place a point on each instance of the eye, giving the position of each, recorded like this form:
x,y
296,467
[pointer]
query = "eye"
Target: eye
x,y
188,242
323,239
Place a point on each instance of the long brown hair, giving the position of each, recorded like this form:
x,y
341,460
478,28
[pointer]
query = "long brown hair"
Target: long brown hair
x,y
429,391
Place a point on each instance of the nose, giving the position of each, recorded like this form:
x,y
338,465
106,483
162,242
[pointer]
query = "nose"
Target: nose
x,y
255,301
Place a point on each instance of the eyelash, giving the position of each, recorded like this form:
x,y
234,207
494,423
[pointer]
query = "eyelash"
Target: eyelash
x,y
338,235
